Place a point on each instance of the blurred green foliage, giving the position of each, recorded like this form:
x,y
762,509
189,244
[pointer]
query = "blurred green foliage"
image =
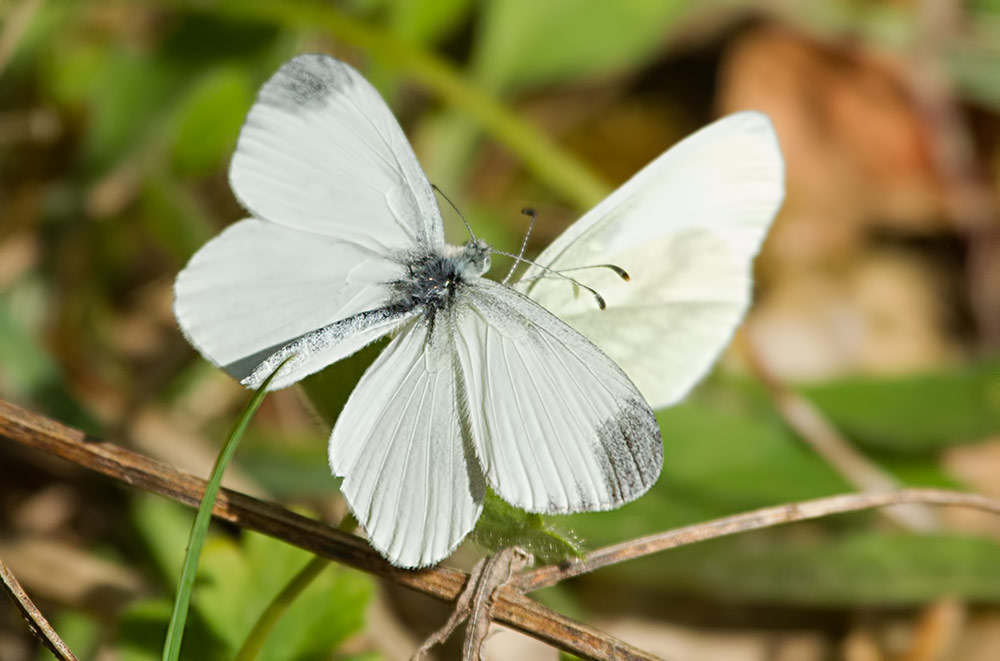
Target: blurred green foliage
x,y
151,97
236,581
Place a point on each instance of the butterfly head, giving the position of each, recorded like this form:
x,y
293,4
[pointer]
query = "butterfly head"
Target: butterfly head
x,y
475,257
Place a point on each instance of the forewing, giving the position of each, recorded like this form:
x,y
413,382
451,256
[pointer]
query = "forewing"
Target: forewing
x,y
557,426
321,151
685,229
410,475
258,287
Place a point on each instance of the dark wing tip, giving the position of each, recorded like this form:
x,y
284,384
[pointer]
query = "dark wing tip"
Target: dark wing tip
x,y
633,450
306,82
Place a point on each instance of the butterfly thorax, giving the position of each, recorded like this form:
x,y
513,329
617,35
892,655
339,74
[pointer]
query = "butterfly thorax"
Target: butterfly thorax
x,y
433,278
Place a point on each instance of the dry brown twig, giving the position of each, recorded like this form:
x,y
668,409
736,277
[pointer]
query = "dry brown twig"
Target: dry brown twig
x,y
475,603
510,605
803,417
36,621
511,608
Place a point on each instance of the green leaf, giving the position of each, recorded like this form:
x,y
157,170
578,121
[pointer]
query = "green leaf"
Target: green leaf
x,y
527,42
198,40
142,627
235,583
427,21
207,121
238,581
716,462
984,6
174,217
288,466
502,525
163,527
918,413
24,364
126,98
28,372
794,567
43,36
79,630
70,69
562,172
719,461
974,72
329,389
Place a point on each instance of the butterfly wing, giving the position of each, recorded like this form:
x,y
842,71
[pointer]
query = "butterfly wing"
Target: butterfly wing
x,y
339,199
258,286
557,426
321,152
410,476
685,229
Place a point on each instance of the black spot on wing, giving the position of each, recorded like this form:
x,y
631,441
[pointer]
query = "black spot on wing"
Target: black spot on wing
x,y
631,450
306,83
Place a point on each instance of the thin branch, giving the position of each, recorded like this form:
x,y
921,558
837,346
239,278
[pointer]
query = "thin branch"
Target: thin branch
x,y
475,604
498,570
39,625
745,522
512,609
815,429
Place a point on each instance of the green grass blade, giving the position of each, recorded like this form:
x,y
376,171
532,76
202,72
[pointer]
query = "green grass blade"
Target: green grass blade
x,y
175,630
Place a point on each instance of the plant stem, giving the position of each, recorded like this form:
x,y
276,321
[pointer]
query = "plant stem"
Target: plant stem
x,y
199,529
265,623
284,599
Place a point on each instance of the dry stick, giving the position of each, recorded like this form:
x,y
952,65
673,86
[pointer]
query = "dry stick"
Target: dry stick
x,y
755,520
513,609
39,625
826,440
498,571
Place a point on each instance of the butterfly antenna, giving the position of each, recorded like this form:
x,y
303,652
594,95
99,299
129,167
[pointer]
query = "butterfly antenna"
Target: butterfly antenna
x,y
619,271
452,204
597,297
527,211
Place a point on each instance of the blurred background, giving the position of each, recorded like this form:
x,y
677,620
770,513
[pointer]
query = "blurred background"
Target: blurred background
x,y
877,309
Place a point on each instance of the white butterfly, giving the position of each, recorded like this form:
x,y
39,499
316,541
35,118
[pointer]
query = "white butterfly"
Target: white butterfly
x,y
483,384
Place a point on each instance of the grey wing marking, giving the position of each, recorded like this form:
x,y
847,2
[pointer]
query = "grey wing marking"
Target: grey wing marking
x,y
351,334
557,425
